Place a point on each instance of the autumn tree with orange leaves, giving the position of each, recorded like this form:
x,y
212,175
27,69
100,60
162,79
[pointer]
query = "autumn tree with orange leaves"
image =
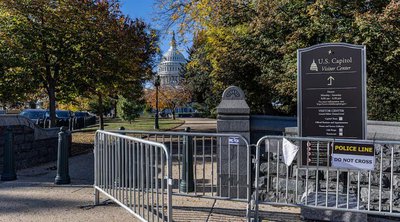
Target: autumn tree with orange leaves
x,y
169,97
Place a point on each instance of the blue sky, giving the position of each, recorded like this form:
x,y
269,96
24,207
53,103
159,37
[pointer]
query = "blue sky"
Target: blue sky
x,y
145,9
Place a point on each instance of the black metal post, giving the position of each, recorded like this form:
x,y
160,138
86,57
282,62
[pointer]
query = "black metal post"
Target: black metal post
x,y
73,123
187,183
119,157
122,128
62,158
70,123
156,84
320,177
9,172
345,181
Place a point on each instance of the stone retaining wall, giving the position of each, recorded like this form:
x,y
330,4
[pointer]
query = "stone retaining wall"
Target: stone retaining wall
x,y
32,145
380,185
261,125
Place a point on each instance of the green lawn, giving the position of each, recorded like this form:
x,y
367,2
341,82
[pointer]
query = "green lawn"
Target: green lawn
x,y
83,139
142,123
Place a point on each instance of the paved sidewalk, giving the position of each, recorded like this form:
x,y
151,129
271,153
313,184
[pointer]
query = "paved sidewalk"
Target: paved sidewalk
x,y
198,125
34,197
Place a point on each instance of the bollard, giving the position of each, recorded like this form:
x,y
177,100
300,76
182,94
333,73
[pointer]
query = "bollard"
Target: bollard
x,y
122,128
9,172
122,167
47,123
62,158
187,184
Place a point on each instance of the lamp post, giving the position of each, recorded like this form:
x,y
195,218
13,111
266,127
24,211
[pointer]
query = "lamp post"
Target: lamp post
x,y
156,84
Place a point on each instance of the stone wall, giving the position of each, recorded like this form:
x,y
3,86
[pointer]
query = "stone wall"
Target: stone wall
x,y
261,125
380,185
378,130
32,145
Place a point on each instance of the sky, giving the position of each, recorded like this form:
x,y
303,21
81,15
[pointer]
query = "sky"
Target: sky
x,y
145,9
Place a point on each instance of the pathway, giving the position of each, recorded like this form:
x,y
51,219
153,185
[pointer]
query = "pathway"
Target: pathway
x,y
34,197
199,125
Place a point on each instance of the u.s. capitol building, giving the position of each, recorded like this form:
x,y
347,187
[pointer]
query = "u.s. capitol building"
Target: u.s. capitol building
x,y
170,65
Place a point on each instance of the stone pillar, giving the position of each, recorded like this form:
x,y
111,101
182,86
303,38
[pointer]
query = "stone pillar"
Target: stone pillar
x,y
233,117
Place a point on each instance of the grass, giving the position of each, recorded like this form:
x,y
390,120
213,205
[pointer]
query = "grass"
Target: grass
x,y
142,123
82,140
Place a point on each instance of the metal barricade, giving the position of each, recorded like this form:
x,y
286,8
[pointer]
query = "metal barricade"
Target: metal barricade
x,y
322,186
134,173
221,166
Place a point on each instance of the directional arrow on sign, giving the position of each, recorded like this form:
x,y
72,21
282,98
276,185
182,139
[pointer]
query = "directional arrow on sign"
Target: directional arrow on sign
x,y
330,79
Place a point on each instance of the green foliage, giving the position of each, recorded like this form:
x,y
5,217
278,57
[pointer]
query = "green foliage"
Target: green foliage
x,y
95,108
253,44
129,108
72,48
197,79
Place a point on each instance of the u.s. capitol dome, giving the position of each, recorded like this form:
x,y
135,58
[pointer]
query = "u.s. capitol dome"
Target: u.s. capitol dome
x,y
170,65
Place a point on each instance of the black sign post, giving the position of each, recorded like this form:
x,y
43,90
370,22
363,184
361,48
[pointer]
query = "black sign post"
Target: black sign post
x,y
331,96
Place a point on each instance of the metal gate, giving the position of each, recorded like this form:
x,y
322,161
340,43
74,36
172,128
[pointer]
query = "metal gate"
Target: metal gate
x,y
134,173
322,186
203,165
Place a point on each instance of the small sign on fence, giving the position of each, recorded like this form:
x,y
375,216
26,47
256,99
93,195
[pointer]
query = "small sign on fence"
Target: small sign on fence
x,y
353,156
233,140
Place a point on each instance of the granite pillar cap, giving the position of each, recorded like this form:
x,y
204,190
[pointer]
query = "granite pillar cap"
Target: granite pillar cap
x,y
233,102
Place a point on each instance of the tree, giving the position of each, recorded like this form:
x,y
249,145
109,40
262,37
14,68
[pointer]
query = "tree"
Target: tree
x,y
44,36
130,108
94,106
197,80
74,48
122,53
169,98
253,44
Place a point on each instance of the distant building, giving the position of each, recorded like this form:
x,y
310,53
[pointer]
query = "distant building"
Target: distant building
x,y
170,74
170,65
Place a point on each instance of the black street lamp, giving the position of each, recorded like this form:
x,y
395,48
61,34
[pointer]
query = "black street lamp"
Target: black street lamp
x,y
156,84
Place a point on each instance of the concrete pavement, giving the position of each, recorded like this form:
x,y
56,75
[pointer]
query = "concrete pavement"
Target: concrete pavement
x,y
198,125
34,197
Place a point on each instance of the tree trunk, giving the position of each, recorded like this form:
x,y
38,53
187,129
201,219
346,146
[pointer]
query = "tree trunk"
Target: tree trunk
x,y
101,112
173,113
115,107
51,90
52,104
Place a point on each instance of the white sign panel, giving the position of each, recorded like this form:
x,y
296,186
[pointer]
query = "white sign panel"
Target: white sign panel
x,y
355,162
234,140
353,156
